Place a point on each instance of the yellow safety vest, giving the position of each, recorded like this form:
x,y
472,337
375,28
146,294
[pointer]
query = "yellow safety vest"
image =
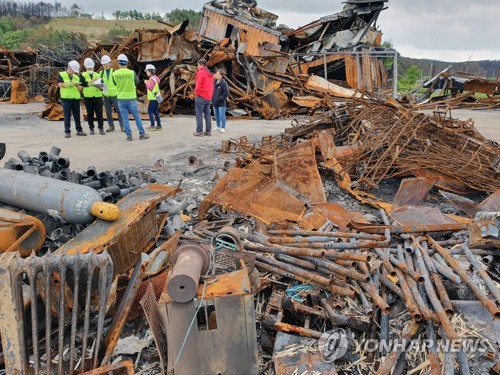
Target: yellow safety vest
x,y
70,92
152,93
125,83
108,81
91,91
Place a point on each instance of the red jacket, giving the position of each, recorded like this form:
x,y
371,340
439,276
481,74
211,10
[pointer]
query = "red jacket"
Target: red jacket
x,y
204,83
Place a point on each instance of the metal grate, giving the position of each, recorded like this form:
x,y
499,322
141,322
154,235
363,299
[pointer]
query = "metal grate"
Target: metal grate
x,y
67,294
152,312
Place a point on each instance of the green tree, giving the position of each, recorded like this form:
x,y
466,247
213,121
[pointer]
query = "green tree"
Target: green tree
x,y
176,16
408,81
389,61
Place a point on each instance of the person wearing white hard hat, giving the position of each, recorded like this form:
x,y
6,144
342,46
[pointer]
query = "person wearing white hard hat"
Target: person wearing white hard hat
x,y
69,87
126,81
109,93
153,88
92,96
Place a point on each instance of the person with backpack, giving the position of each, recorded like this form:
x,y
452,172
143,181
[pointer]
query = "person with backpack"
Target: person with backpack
x,y
219,98
153,88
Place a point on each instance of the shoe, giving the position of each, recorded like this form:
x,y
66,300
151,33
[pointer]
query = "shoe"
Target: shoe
x,y
92,132
110,129
83,134
151,127
129,138
158,128
67,135
102,132
144,136
223,130
208,134
218,128
122,129
198,134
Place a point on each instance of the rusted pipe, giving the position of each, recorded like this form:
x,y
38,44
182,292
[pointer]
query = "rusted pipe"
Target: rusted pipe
x,y
364,236
351,273
385,257
307,252
489,305
408,297
342,320
443,269
338,245
271,323
433,298
189,261
412,284
390,285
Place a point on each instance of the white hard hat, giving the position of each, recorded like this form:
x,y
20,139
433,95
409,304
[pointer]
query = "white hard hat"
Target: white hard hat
x,y
122,57
150,67
74,66
89,63
105,59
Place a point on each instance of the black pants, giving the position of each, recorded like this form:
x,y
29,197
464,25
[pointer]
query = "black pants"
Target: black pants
x,y
154,112
71,106
202,107
94,107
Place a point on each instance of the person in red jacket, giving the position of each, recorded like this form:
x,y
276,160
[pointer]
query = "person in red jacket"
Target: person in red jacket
x,y
203,95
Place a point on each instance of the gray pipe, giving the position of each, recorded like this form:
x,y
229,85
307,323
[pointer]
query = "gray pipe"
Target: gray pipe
x,y
24,156
75,177
43,157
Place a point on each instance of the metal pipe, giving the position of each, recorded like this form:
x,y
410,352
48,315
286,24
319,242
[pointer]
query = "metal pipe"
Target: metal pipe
x,y
494,290
307,252
307,233
444,270
341,320
189,260
351,273
24,156
489,305
299,274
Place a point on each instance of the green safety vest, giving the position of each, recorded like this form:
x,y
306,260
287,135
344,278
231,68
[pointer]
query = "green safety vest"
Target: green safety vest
x,y
91,91
112,91
71,92
152,93
125,83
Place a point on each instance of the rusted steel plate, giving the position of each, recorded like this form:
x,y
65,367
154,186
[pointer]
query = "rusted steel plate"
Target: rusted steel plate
x,y
297,172
19,232
419,215
335,213
134,231
490,204
412,191
443,181
254,195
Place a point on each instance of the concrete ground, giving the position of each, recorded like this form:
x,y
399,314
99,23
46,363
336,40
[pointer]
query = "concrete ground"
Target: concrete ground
x,y
21,128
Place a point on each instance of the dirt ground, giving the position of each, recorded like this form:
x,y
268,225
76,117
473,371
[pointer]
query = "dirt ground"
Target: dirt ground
x,y
21,128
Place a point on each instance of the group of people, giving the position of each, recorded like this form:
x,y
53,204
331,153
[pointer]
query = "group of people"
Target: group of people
x,y
111,88
210,89
117,88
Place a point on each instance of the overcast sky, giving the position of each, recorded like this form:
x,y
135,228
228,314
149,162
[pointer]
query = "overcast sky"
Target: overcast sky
x,y
451,30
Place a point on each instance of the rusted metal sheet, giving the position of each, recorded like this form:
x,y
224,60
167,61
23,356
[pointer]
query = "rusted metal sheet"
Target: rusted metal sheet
x,y
412,192
20,232
134,231
296,171
120,317
471,208
420,215
255,195
443,181
85,276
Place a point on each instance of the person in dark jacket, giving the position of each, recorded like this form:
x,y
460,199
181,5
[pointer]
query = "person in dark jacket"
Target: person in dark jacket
x,y
219,97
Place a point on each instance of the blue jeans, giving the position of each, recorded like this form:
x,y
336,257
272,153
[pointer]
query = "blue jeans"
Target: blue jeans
x,y
126,107
154,112
220,116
